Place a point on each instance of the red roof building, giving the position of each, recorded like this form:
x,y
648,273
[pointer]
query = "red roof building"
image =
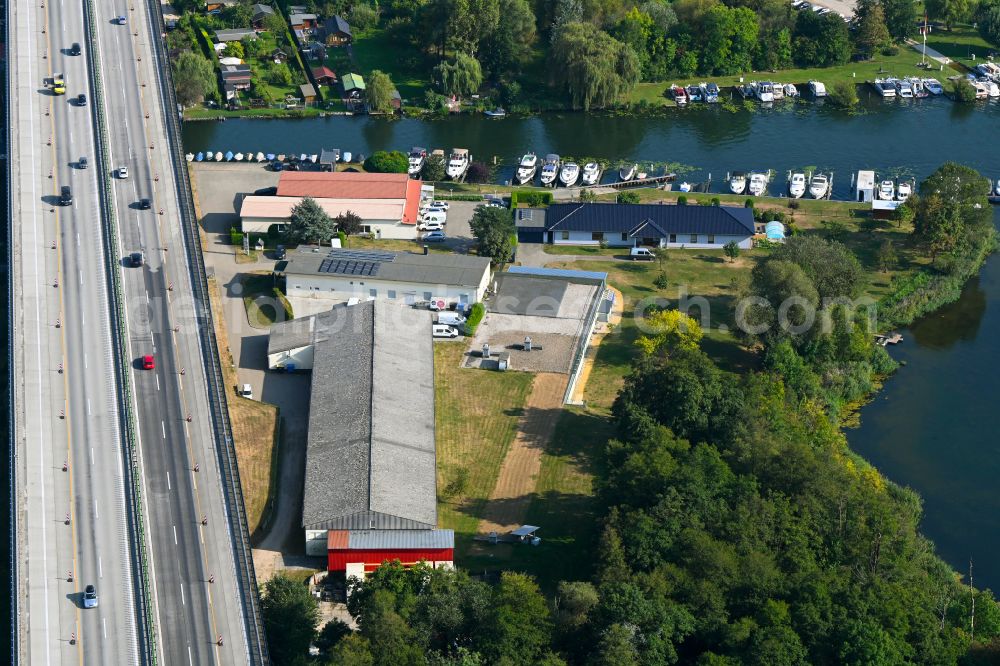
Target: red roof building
x,y
356,552
350,185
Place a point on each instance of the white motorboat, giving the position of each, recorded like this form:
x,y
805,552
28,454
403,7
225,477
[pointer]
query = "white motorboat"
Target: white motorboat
x,y
933,86
819,186
209,156
526,169
904,89
550,169
778,90
886,190
797,185
260,157
640,174
694,93
238,157
569,174
218,156
709,92
903,190
627,172
415,161
998,188
684,187
591,174
757,184
991,87
458,163
763,90
817,88
791,90
738,182
189,157
346,156
885,87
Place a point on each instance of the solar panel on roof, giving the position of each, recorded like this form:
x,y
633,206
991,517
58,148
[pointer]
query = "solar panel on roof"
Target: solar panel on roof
x,y
349,267
360,255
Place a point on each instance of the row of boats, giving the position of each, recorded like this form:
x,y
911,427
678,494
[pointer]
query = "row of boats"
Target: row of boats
x,y
456,166
764,91
552,171
230,156
908,87
817,185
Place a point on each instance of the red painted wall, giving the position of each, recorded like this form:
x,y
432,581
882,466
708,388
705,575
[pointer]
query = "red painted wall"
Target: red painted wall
x,y
337,559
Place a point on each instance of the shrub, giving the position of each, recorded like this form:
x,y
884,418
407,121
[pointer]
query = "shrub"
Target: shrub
x,y
235,236
716,201
533,199
628,197
475,318
384,161
844,94
891,50
748,203
962,90
682,200
661,281
794,204
343,238
479,172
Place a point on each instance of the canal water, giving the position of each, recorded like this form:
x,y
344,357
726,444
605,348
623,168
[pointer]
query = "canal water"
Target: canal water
x,y
933,426
895,138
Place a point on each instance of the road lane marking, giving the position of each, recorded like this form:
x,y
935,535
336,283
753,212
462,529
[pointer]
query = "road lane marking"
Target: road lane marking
x,y
183,603
168,481
190,659
80,273
175,535
100,568
85,361
104,621
96,514
157,382
91,455
78,239
147,298
163,427
88,406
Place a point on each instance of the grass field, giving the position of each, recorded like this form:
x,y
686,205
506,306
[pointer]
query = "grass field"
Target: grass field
x,y
960,43
255,431
374,50
262,312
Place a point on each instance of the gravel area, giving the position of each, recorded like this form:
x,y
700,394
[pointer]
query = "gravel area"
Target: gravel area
x,y
555,355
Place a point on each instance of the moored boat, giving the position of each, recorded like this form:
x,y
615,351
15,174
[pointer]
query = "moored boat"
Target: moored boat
x,y
819,186
260,157
189,157
569,174
627,172
817,88
550,169
790,90
238,157
886,190
885,87
679,94
270,157
458,163
591,174
933,86
228,156
738,182
199,157
526,169
415,161
495,113
797,185
757,185
709,92
694,93
904,189
763,91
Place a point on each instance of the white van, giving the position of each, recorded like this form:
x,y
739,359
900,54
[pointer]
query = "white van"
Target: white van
x,y
450,318
641,253
443,331
435,216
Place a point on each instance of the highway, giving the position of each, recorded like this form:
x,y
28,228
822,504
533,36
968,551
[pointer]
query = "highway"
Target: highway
x,y
194,581
68,411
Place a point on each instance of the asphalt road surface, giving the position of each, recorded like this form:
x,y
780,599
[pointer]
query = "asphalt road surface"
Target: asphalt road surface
x,y
193,571
68,413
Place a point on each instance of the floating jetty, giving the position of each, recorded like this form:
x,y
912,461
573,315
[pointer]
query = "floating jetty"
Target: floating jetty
x,y
888,339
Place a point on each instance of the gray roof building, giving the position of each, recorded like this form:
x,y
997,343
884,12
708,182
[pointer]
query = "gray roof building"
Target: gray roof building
x,y
408,267
234,35
370,457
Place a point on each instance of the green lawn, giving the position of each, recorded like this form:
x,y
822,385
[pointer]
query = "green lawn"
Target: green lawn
x,y
960,44
264,301
374,50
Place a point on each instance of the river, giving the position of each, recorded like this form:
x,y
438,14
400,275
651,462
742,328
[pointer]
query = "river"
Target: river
x,y
933,426
898,138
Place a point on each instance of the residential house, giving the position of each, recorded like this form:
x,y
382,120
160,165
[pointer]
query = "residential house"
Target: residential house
x,y
328,158
216,6
234,78
633,225
324,76
337,32
317,52
170,15
308,93
234,35
395,100
354,85
302,25
260,14
278,56
297,9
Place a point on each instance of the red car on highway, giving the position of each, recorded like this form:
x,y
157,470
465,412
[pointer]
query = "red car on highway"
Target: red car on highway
x,y
148,363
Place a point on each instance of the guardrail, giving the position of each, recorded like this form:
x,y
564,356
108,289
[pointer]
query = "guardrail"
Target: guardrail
x,y
225,448
133,478
14,595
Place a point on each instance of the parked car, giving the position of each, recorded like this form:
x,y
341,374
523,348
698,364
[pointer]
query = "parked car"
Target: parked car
x,y
266,191
450,318
277,166
247,391
435,217
443,205
279,252
641,253
444,331
434,237
90,597
148,362
431,226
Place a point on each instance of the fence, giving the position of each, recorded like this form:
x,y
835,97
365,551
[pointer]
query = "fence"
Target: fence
x,y
133,480
580,353
225,450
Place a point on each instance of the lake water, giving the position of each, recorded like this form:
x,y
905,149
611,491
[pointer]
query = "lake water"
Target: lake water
x,y
902,137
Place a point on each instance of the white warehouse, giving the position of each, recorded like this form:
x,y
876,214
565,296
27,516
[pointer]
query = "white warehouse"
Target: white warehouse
x,y
339,275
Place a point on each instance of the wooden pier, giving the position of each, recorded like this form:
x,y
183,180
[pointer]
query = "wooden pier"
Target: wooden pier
x,y
652,181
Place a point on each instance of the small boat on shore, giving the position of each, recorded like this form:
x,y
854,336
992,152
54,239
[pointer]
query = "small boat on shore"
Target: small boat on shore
x,y
526,169
189,157
817,88
238,157
458,163
819,186
550,169
228,156
569,174
797,185
415,161
627,172
495,113
886,190
790,90
199,157
679,94
738,182
260,157
709,92
591,174
694,93
757,185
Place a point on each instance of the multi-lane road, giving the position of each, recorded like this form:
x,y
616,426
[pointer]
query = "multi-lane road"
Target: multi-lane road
x,y
69,406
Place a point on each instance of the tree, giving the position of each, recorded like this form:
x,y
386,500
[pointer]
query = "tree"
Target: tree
x,y
309,223
830,265
478,172
952,204
887,257
627,197
237,16
352,650
962,90
461,76
791,298
728,39
194,77
349,222
595,69
518,630
844,94
508,47
379,92
290,617
949,11
493,228
279,75
383,161
434,168
820,41
233,50
275,24
871,33
732,250
667,330
363,17
988,21
252,48
900,18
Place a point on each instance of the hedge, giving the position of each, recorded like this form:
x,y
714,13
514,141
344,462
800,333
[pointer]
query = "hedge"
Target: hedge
x,y
475,318
530,198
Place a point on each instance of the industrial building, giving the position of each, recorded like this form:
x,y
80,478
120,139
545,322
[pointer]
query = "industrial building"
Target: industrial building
x,y
370,477
408,277
633,225
387,203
